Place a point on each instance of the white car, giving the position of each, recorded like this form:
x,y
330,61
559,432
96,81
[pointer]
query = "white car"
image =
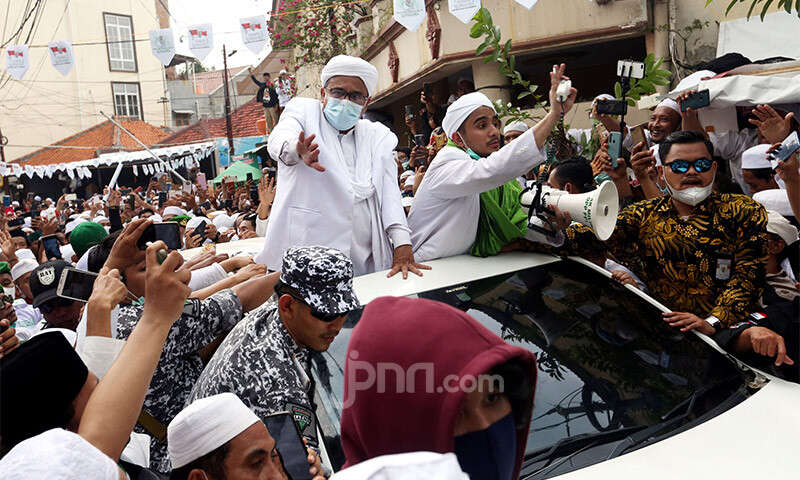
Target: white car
x,y
619,393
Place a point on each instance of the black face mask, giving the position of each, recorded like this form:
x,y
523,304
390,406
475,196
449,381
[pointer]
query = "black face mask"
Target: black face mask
x,y
489,454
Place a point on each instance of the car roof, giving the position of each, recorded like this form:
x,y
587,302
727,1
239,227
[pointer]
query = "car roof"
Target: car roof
x,y
445,272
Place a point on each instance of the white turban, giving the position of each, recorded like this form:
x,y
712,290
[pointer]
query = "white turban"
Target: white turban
x,y
347,66
58,455
756,157
22,267
517,126
461,109
174,211
671,104
223,220
25,253
777,224
71,225
205,425
776,200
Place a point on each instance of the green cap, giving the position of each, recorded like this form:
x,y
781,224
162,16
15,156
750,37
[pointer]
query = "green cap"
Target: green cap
x,y
86,235
5,267
180,219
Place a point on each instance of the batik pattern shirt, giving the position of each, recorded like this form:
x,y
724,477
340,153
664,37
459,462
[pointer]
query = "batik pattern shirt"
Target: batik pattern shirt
x,y
180,365
261,363
711,263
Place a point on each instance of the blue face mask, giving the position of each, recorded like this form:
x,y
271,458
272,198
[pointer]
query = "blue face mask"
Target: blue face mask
x,y
472,154
342,114
489,454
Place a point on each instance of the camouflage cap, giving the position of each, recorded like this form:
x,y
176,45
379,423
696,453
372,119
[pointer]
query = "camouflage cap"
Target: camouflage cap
x,y
323,276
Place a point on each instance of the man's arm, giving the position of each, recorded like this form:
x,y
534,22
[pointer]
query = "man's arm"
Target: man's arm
x,y
254,292
282,142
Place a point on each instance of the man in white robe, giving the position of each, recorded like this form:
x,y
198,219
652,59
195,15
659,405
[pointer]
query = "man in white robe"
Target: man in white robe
x,y
337,179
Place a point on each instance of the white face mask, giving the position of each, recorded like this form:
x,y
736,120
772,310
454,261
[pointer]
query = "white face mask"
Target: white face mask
x,y
10,291
692,195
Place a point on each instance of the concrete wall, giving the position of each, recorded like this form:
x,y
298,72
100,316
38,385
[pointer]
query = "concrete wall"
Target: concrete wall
x,y
45,106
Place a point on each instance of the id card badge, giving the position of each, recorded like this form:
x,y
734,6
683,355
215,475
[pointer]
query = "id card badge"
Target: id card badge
x,y
723,272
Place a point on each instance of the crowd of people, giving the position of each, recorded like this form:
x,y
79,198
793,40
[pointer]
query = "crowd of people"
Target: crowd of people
x,y
177,360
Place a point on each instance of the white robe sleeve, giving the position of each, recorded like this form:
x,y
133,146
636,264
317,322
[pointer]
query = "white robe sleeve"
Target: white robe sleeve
x,y
463,177
392,212
287,131
261,226
207,276
98,353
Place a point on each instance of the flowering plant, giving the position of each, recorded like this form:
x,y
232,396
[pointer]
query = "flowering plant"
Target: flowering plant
x,y
315,29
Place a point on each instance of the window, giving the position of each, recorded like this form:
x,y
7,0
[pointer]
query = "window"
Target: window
x,y
119,39
127,101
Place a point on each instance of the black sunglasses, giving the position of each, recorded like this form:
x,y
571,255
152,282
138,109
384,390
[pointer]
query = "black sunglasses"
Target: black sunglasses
x,y
701,165
51,305
325,317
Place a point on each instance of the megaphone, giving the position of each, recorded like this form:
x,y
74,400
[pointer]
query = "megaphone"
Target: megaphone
x,y
597,209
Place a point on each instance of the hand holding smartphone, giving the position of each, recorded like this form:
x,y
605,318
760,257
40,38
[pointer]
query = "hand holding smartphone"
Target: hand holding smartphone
x,y
614,148
289,443
76,284
168,232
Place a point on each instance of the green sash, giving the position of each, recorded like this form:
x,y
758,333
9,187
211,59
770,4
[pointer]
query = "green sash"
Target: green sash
x,y
502,219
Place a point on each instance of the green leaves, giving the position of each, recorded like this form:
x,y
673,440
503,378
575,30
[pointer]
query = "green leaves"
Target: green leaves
x,y
765,4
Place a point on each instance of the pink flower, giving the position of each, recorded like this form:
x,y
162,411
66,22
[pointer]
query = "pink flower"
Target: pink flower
x,y
277,36
285,43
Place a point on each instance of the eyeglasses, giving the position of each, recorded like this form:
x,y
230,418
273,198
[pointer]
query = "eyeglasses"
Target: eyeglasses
x,y
700,165
340,93
48,307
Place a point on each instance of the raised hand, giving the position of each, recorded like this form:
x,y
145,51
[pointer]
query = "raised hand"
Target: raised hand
x,y
125,252
770,124
166,284
556,75
309,151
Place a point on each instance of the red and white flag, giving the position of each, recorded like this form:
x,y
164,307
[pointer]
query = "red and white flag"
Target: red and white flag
x,y
201,40
17,61
254,33
61,56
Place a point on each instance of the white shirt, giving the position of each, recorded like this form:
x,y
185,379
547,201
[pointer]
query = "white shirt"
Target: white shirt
x,y
284,91
730,146
444,216
29,320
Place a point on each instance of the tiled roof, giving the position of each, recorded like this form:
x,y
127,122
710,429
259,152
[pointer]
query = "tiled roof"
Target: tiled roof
x,y
207,82
243,121
105,137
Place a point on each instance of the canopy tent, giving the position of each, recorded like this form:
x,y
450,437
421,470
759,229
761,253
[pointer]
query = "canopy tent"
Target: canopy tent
x,y
239,170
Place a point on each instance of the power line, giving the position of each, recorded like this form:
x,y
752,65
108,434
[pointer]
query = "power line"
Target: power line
x,y
24,21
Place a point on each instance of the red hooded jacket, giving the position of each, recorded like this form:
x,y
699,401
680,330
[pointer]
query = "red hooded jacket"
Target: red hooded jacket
x,y
395,334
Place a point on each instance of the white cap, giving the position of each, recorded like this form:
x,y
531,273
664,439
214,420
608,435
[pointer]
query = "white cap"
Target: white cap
x,y
756,157
671,104
156,218
777,224
282,72
461,109
22,267
406,466
100,218
57,455
223,220
205,425
174,211
70,226
15,203
517,126
774,199
37,198
25,253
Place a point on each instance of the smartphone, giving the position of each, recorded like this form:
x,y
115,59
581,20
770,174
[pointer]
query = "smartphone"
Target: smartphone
x,y
612,107
76,284
162,198
16,222
696,100
201,181
6,201
409,110
789,145
249,176
638,135
254,195
71,197
289,443
132,201
205,205
419,139
52,247
200,229
272,173
168,232
614,147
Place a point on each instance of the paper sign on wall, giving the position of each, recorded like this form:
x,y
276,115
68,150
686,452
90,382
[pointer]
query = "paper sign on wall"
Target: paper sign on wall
x,y
464,10
254,33
17,61
201,40
409,13
61,56
527,3
162,45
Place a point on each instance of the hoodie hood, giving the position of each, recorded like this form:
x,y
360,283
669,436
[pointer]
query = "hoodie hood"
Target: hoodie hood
x,y
430,340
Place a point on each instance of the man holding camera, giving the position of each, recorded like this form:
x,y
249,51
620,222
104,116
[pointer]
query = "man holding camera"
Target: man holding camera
x,y
338,183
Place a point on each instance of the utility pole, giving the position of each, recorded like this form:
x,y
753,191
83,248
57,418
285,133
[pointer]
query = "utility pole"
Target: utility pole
x,y
228,126
3,141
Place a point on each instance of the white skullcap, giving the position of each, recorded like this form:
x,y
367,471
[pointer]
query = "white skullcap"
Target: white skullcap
x,y
37,198
156,218
671,104
174,211
22,267
459,110
406,466
347,66
15,203
776,200
777,224
195,221
85,214
67,252
70,226
25,253
49,199
223,220
205,425
282,72
756,157
100,218
517,126
57,455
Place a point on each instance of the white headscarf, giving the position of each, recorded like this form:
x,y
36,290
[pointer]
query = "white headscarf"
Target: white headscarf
x,y
517,126
347,66
461,109
57,455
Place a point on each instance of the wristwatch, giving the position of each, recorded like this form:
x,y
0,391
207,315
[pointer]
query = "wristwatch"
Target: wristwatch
x,y
714,322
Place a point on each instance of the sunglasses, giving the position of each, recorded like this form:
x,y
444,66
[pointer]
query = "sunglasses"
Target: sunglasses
x,y
325,317
701,165
48,307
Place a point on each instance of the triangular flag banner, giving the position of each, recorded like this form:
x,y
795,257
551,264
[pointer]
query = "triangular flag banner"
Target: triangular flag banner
x,y
39,171
61,56
17,61
80,173
135,170
464,10
527,3
87,173
162,45
71,173
409,13
50,171
254,33
201,40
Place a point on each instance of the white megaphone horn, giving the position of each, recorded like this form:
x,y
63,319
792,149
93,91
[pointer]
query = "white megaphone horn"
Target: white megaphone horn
x,y
597,209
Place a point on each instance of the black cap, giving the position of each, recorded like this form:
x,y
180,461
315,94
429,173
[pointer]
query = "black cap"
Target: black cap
x,y
38,383
44,281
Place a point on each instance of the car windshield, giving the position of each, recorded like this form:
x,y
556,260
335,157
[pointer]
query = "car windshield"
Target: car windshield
x,y
607,363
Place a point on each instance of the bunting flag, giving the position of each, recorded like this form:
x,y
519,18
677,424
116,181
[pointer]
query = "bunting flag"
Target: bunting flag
x,y
162,45
254,33
61,56
527,3
409,13
464,10
17,61
201,40
135,170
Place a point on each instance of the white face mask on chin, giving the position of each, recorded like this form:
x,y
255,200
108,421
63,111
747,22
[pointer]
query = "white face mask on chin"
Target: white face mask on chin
x,y
692,195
